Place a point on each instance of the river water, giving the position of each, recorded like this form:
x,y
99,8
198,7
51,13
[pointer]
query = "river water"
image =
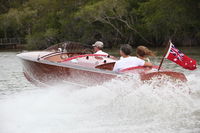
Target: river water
x,y
118,106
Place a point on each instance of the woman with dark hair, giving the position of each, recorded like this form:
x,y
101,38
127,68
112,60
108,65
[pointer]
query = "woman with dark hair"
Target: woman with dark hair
x,y
128,61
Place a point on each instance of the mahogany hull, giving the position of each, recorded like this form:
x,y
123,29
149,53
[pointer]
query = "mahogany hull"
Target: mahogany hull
x,y
173,75
45,72
50,73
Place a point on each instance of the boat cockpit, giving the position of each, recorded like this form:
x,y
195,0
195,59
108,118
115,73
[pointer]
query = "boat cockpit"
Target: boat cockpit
x,y
79,55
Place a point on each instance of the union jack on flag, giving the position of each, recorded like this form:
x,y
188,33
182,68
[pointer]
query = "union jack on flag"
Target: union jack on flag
x,y
176,53
179,58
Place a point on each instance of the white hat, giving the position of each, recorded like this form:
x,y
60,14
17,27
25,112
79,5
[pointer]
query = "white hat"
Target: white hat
x,y
98,44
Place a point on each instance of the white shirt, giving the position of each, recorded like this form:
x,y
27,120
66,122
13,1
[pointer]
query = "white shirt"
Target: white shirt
x,y
101,52
124,63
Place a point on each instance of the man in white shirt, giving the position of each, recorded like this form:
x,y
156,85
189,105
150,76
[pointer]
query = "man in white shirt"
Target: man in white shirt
x,y
127,61
98,46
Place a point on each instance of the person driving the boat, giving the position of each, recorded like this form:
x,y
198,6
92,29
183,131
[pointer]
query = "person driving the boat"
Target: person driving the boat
x,y
143,53
128,61
98,46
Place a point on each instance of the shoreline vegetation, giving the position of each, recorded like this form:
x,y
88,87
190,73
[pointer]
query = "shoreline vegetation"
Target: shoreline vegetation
x,y
43,23
192,51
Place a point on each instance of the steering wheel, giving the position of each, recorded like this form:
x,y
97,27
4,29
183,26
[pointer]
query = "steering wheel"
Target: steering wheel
x,y
64,56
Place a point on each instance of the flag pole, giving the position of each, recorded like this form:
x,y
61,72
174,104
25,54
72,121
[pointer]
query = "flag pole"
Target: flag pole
x,y
163,58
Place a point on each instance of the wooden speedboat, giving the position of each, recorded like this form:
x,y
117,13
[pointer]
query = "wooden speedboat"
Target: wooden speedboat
x,y
75,63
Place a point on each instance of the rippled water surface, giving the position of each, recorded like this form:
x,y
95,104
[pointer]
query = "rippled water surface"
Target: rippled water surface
x,y
119,106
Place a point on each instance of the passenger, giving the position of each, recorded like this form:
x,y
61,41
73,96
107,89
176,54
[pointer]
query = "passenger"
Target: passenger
x,y
128,61
98,46
143,53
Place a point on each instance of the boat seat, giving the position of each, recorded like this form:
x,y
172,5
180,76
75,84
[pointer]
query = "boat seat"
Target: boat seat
x,y
106,66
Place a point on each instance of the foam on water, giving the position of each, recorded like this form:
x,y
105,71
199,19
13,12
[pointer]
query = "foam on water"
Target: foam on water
x,y
123,105
118,106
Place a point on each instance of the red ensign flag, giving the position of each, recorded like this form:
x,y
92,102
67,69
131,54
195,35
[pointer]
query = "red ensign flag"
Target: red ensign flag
x,y
179,58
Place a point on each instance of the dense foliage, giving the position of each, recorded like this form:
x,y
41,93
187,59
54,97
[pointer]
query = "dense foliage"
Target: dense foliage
x,y
149,22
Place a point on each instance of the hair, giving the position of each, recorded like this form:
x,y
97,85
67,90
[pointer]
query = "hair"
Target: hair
x,y
143,51
126,49
101,48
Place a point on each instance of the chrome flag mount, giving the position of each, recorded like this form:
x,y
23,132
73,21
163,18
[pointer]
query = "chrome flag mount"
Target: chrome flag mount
x,y
173,54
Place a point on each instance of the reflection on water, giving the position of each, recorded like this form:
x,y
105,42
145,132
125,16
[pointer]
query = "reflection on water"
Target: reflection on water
x,y
117,106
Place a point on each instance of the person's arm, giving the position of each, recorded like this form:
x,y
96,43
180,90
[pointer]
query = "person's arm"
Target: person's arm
x,y
148,64
144,63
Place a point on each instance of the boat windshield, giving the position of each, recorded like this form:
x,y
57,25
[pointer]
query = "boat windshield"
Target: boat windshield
x,y
71,47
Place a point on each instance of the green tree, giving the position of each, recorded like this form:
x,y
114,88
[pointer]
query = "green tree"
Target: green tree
x,y
175,19
147,22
